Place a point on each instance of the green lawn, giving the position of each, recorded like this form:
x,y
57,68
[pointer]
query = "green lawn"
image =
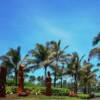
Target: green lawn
x,y
47,98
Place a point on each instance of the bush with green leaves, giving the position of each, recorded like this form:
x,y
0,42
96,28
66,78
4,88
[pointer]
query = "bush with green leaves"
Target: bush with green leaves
x,y
11,90
60,91
55,91
83,96
36,91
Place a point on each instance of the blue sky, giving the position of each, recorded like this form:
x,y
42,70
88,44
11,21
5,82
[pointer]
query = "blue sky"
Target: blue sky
x,y
26,22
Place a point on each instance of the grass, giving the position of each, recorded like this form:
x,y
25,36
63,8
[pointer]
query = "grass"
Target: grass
x,y
48,98
39,97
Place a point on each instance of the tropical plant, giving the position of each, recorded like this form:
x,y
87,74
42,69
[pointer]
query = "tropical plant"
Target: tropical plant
x,y
88,76
95,51
12,59
61,75
57,54
40,57
74,67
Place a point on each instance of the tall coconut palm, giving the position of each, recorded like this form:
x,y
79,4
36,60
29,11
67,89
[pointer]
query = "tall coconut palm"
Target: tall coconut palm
x,y
8,65
58,70
61,76
73,68
95,51
55,48
87,76
41,56
60,73
12,59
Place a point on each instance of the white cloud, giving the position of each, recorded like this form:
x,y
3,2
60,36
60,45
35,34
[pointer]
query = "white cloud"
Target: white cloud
x,y
48,27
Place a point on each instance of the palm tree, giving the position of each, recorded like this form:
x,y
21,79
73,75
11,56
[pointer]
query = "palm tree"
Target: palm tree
x,y
8,65
59,73
12,59
95,51
55,48
88,76
61,76
73,68
40,56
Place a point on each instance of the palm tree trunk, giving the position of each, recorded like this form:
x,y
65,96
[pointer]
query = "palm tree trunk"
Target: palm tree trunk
x,y
85,89
75,84
89,88
62,76
61,81
16,81
45,71
55,74
55,78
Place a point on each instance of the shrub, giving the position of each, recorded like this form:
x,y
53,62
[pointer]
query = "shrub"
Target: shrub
x,y
55,91
11,90
60,91
36,91
83,96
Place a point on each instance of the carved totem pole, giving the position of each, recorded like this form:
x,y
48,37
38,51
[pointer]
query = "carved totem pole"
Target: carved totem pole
x,y
3,72
21,80
48,84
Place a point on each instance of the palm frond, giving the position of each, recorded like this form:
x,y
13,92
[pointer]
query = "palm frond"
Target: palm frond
x,y
94,52
96,39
